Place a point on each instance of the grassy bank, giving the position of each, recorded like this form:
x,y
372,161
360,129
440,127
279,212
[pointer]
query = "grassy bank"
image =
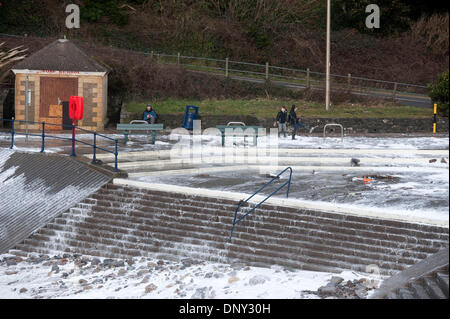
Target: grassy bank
x,y
268,108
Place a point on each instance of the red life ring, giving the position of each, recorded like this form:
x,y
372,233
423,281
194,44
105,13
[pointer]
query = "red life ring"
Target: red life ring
x,y
76,107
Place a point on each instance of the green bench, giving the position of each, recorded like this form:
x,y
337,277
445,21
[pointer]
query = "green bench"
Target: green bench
x,y
138,127
241,126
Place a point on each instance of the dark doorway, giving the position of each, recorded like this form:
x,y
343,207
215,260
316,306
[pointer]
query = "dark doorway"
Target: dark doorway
x,y
66,119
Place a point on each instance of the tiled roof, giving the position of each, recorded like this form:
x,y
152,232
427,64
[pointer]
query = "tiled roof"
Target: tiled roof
x,y
60,55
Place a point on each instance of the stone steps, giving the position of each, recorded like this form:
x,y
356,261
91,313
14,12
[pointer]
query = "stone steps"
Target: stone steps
x,y
222,230
387,225
320,243
110,234
224,213
124,222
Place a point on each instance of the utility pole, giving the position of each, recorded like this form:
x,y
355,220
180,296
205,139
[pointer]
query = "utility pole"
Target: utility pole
x,y
327,86
27,103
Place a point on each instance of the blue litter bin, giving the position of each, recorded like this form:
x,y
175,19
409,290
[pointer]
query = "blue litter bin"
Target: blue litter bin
x,y
190,115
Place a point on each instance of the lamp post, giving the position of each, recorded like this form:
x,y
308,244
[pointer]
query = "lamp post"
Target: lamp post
x,y
327,80
27,105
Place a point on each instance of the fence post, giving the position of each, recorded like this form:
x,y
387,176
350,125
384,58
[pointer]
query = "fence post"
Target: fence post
x,y
116,152
394,93
12,133
73,140
226,67
151,55
178,58
267,70
43,137
94,159
307,78
349,81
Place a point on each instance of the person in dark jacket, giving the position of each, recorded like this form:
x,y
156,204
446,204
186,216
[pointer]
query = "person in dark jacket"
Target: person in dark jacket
x,y
295,121
150,115
282,121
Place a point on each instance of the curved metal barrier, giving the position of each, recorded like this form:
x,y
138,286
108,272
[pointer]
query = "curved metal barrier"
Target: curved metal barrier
x,y
333,124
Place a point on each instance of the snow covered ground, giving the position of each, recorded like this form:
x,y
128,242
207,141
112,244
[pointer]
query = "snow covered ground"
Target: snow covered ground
x,y
75,276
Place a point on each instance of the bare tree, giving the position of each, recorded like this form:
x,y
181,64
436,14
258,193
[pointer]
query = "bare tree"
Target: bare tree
x,y
7,57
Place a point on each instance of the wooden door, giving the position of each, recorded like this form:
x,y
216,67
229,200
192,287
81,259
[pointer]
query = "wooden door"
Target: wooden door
x,y
55,91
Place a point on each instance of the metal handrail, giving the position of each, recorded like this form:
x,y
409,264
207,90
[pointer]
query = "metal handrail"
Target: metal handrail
x,y
288,183
334,124
43,135
236,123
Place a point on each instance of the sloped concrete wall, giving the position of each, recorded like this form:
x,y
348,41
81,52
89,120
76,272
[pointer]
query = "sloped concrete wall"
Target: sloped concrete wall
x,y
35,188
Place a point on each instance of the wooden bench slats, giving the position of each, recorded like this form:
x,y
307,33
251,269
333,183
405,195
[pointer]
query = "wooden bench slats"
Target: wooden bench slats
x,y
142,129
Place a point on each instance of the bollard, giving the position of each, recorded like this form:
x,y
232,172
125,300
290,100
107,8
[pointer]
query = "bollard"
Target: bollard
x,y
94,159
12,133
115,156
43,137
73,141
434,119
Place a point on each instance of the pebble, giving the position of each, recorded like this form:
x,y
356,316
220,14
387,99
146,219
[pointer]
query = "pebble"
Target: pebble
x,y
150,288
142,272
95,262
328,290
11,262
336,280
82,282
257,280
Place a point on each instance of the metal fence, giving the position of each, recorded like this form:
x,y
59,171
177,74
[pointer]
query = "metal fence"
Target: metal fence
x,y
289,76
44,134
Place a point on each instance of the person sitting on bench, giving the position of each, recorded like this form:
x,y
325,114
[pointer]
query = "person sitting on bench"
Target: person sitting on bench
x,y
150,115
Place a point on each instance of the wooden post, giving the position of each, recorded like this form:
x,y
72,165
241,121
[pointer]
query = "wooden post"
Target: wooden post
x,y
349,81
394,93
151,55
226,67
178,58
308,84
267,70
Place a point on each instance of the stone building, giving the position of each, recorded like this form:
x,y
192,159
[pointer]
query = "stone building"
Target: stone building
x,y
55,73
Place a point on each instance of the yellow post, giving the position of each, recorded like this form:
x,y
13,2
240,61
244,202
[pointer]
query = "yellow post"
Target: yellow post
x,y
434,118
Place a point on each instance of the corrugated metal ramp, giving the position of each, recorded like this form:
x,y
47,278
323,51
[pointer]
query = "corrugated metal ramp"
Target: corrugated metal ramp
x,y
35,188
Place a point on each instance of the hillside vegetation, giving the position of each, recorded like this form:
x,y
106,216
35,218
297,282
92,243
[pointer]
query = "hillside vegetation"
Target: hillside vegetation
x,y
411,45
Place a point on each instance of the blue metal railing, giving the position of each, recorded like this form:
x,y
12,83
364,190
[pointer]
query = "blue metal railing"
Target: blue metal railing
x,y
288,183
73,139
